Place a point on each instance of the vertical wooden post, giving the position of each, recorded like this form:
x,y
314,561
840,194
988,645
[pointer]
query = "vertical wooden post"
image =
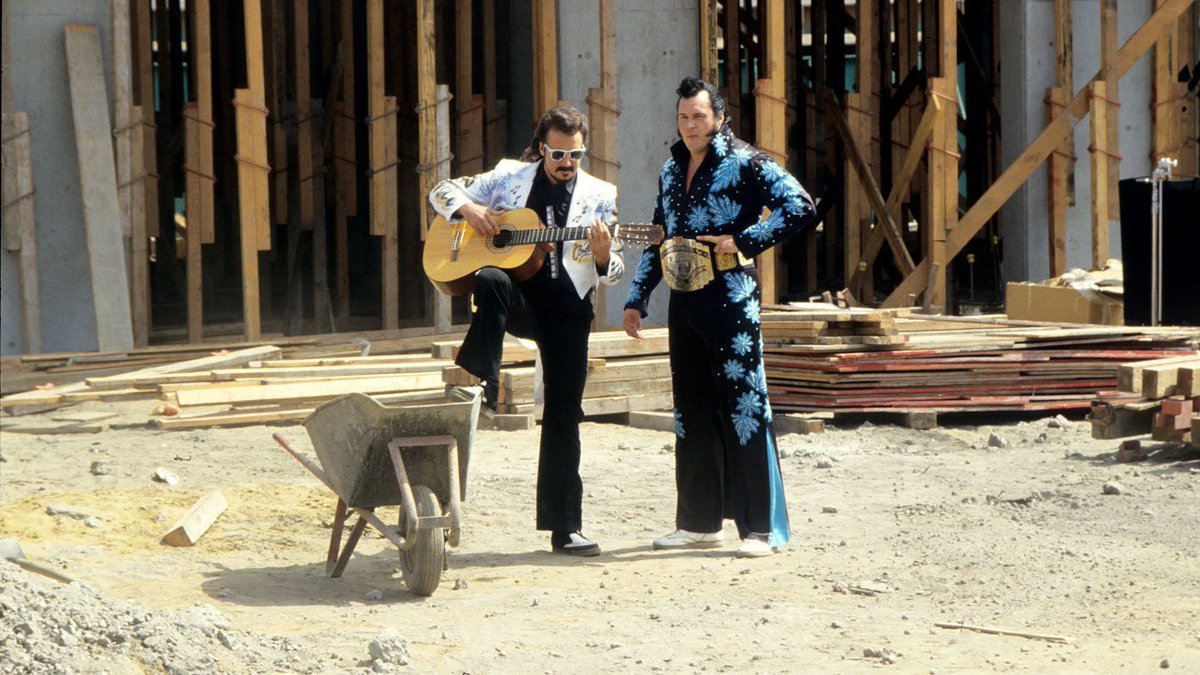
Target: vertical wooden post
x,y
276,61
427,128
469,106
770,127
194,211
733,63
859,114
1098,115
1065,63
442,315
345,150
603,111
1174,133
322,309
253,169
18,222
708,40
495,134
1057,174
382,123
299,68
143,20
545,56
1108,52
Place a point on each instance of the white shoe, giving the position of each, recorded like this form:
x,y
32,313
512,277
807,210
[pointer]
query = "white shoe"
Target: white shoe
x,y
755,548
687,539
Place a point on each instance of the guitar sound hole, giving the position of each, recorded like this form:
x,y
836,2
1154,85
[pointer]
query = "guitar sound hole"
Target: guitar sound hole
x,y
502,240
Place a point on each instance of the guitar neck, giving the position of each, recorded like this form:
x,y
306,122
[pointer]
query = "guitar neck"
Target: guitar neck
x,y
554,234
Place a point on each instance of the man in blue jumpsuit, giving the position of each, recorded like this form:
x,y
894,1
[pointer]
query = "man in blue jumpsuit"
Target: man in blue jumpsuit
x,y
712,191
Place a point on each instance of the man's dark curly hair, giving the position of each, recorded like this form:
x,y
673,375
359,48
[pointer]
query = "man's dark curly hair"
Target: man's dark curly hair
x,y
691,86
565,119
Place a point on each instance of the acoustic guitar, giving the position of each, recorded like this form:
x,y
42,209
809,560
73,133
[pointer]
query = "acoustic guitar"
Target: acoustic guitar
x,y
454,253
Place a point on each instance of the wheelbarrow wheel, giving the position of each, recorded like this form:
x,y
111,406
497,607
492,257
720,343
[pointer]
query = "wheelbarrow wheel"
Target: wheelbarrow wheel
x,y
422,564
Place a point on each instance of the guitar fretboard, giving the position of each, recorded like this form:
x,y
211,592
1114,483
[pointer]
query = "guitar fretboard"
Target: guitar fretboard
x,y
549,234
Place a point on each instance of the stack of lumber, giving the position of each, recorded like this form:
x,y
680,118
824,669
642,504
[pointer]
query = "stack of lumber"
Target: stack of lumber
x,y
624,374
830,327
257,384
956,364
1160,397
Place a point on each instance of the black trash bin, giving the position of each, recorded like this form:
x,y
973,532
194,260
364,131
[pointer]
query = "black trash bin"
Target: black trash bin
x,y
1181,251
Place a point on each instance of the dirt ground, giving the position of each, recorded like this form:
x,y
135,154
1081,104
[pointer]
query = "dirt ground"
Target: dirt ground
x,y
893,529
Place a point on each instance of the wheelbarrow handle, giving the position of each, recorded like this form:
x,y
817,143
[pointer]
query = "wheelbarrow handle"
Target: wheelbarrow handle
x,y
304,461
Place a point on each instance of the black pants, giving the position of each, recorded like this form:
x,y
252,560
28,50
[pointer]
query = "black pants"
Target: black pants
x,y
726,463
553,316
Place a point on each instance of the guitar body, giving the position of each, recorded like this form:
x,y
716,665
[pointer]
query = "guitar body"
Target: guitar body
x,y
453,272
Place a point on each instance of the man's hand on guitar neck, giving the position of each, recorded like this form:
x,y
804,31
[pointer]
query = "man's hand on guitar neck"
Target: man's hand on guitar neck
x,y
599,241
480,218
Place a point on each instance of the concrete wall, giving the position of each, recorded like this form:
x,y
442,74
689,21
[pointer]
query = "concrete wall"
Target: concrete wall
x,y
1027,55
657,46
40,88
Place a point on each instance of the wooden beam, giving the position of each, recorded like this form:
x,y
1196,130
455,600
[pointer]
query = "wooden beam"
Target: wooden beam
x,y
603,111
708,40
192,236
900,184
143,20
98,187
545,56
377,113
1037,151
249,121
344,161
1108,48
124,128
733,61
890,229
770,126
1099,111
201,516
302,92
428,160
322,304
495,135
442,316
1064,50
468,145
1057,176
20,234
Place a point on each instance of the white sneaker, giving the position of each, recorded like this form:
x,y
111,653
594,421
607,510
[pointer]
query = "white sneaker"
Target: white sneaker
x,y
754,548
687,539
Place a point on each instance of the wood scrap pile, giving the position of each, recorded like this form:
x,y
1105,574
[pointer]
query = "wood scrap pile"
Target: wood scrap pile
x,y
951,364
257,384
624,374
1160,397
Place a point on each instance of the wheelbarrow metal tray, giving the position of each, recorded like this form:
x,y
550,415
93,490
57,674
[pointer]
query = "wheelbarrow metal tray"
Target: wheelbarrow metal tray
x,y
350,435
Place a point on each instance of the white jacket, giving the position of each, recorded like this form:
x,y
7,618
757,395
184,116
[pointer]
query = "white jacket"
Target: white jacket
x,y
507,187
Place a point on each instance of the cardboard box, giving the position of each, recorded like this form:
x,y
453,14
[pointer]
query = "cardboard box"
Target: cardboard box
x,y
1025,301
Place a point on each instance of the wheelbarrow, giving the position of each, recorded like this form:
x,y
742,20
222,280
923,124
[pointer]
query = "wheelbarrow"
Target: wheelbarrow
x,y
414,457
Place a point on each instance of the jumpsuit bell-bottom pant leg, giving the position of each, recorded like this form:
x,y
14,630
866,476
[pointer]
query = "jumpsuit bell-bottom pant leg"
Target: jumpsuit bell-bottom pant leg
x,y
562,339
726,464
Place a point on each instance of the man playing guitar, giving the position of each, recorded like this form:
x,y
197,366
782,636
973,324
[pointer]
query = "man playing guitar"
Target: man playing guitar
x,y
554,307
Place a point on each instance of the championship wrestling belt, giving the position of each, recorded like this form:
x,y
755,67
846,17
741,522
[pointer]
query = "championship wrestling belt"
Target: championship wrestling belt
x,y
687,264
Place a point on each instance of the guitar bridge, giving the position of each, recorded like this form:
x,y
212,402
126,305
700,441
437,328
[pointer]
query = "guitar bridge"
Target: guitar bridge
x,y
456,243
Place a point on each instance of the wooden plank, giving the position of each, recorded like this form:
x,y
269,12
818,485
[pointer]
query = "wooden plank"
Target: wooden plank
x,y
1037,151
279,393
255,77
144,91
18,223
442,312
709,58
201,516
345,166
1099,166
545,56
733,62
200,47
495,135
603,111
376,111
322,303
98,187
126,126
390,245
204,363
1159,381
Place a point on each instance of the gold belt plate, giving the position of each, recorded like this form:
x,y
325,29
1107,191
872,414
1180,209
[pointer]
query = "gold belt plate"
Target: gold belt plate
x,y
686,263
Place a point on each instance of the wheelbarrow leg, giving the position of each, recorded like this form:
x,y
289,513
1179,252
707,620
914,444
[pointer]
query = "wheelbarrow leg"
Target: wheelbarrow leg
x,y
351,542
335,538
